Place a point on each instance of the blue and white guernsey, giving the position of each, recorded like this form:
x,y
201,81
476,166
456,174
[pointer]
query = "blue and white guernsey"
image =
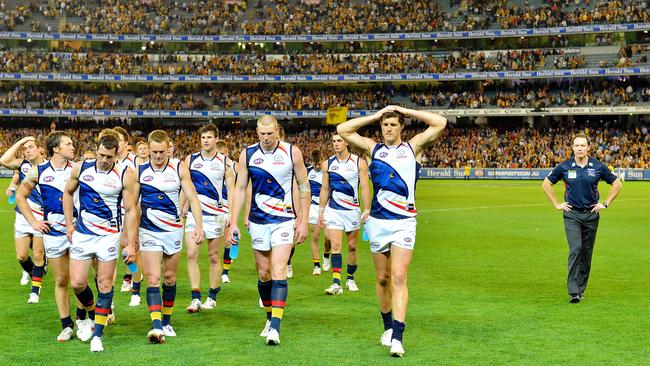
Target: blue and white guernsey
x,y
34,199
100,194
271,175
52,183
208,178
344,183
394,173
159,197
315,183
129,161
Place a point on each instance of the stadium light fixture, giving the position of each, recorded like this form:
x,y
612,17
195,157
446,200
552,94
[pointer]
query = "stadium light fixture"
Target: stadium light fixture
x,y
29,40
110,42
152,42
645,31
144,48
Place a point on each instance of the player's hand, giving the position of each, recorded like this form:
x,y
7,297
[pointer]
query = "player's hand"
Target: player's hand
x,y
10,191
27,139
184,212
129,253
364,216
198,235
321,221
564,206
226,223
247,223
69,230
231,233
599,206
299,232
42,226
387,109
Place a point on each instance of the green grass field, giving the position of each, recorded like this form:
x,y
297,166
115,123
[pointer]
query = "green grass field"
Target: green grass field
x,y
487,286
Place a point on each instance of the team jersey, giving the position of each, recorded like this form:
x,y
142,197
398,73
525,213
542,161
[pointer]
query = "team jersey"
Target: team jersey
x,y
52,183
394,173
129,161
344,183
315,183
159,197
34,199
271,175
100,194
208,177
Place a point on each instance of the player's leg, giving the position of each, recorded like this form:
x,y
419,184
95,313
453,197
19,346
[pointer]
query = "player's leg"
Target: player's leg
x,y
227,261
105,272
169,268
214,253
327,251
193,271
151,266
264,284
79,267
400,261
352,237
336,238
382,263
315,248
38,252
136,282
279,289
22,255
60,267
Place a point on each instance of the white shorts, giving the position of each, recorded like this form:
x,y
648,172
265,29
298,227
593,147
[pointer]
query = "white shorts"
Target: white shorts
x,y
313,214
345,220
85,247
55,246
266,236
168,242
212,225
384,233
22,228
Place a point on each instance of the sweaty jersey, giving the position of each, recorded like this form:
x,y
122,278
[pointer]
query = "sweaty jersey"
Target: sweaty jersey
x,y
34,199
344,183
271,175
208,176
315,183
394,173
159,197
100,194
52,182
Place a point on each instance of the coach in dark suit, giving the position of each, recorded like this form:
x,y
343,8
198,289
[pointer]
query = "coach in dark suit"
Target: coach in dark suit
x,y
581,208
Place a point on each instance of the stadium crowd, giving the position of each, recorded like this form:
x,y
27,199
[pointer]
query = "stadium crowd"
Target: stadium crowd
x,y
313,16
480,147
546,94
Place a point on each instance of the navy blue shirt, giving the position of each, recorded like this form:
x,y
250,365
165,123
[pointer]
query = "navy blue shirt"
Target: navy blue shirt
x,y
581,183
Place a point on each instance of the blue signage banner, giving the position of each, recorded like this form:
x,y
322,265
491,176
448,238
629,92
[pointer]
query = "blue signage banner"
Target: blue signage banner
x,y
377,37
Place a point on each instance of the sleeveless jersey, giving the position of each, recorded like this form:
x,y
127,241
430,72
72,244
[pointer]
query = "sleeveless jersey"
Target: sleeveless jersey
x,y
129,161
100,194
271,175
159,197
394,173
344,183
34,199
208,178
315,183
52,183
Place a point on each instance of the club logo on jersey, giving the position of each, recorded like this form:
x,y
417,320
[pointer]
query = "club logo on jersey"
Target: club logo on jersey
x,y
169,177
215,166
258,161
591,172
401,154
278,160
147,178
25,170
48,179
88,178
335,167
198,166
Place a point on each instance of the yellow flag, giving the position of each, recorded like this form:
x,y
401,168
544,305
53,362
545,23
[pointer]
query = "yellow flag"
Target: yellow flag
x,y
336,115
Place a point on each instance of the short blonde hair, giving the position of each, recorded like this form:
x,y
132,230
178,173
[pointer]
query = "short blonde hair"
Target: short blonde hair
x,y
268,120
159,136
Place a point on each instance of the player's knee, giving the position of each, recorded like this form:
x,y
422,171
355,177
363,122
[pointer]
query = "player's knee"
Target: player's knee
x,y
62,280
352,248
398,279
153,280
78,284
264,274
214,258
383,279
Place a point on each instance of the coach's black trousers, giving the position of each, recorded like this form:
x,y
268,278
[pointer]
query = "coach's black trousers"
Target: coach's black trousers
x,y
580,228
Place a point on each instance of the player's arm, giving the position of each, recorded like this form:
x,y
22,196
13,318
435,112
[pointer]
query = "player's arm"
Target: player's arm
x,y
26,188
365,189
229,178
13,186
68,200
190,194
9,159
247,205
300,172
324,194
348,131
184,203
130,194
238,197
436,123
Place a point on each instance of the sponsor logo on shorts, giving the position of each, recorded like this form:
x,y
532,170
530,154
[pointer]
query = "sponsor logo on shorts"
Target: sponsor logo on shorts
x,y
374,245
148,243
147,178
354,223
88,178
383,154
284,235
48,178
111,250
77,250
198,166
258,241
177,244
408,240
52,250
258,161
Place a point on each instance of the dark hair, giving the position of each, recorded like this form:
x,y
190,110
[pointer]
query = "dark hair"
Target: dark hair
x,y
54,140
109,139
399,116
580,135
123,132
316,156
209,128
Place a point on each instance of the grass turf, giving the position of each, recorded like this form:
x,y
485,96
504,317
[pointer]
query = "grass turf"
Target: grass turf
x,y
487,286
